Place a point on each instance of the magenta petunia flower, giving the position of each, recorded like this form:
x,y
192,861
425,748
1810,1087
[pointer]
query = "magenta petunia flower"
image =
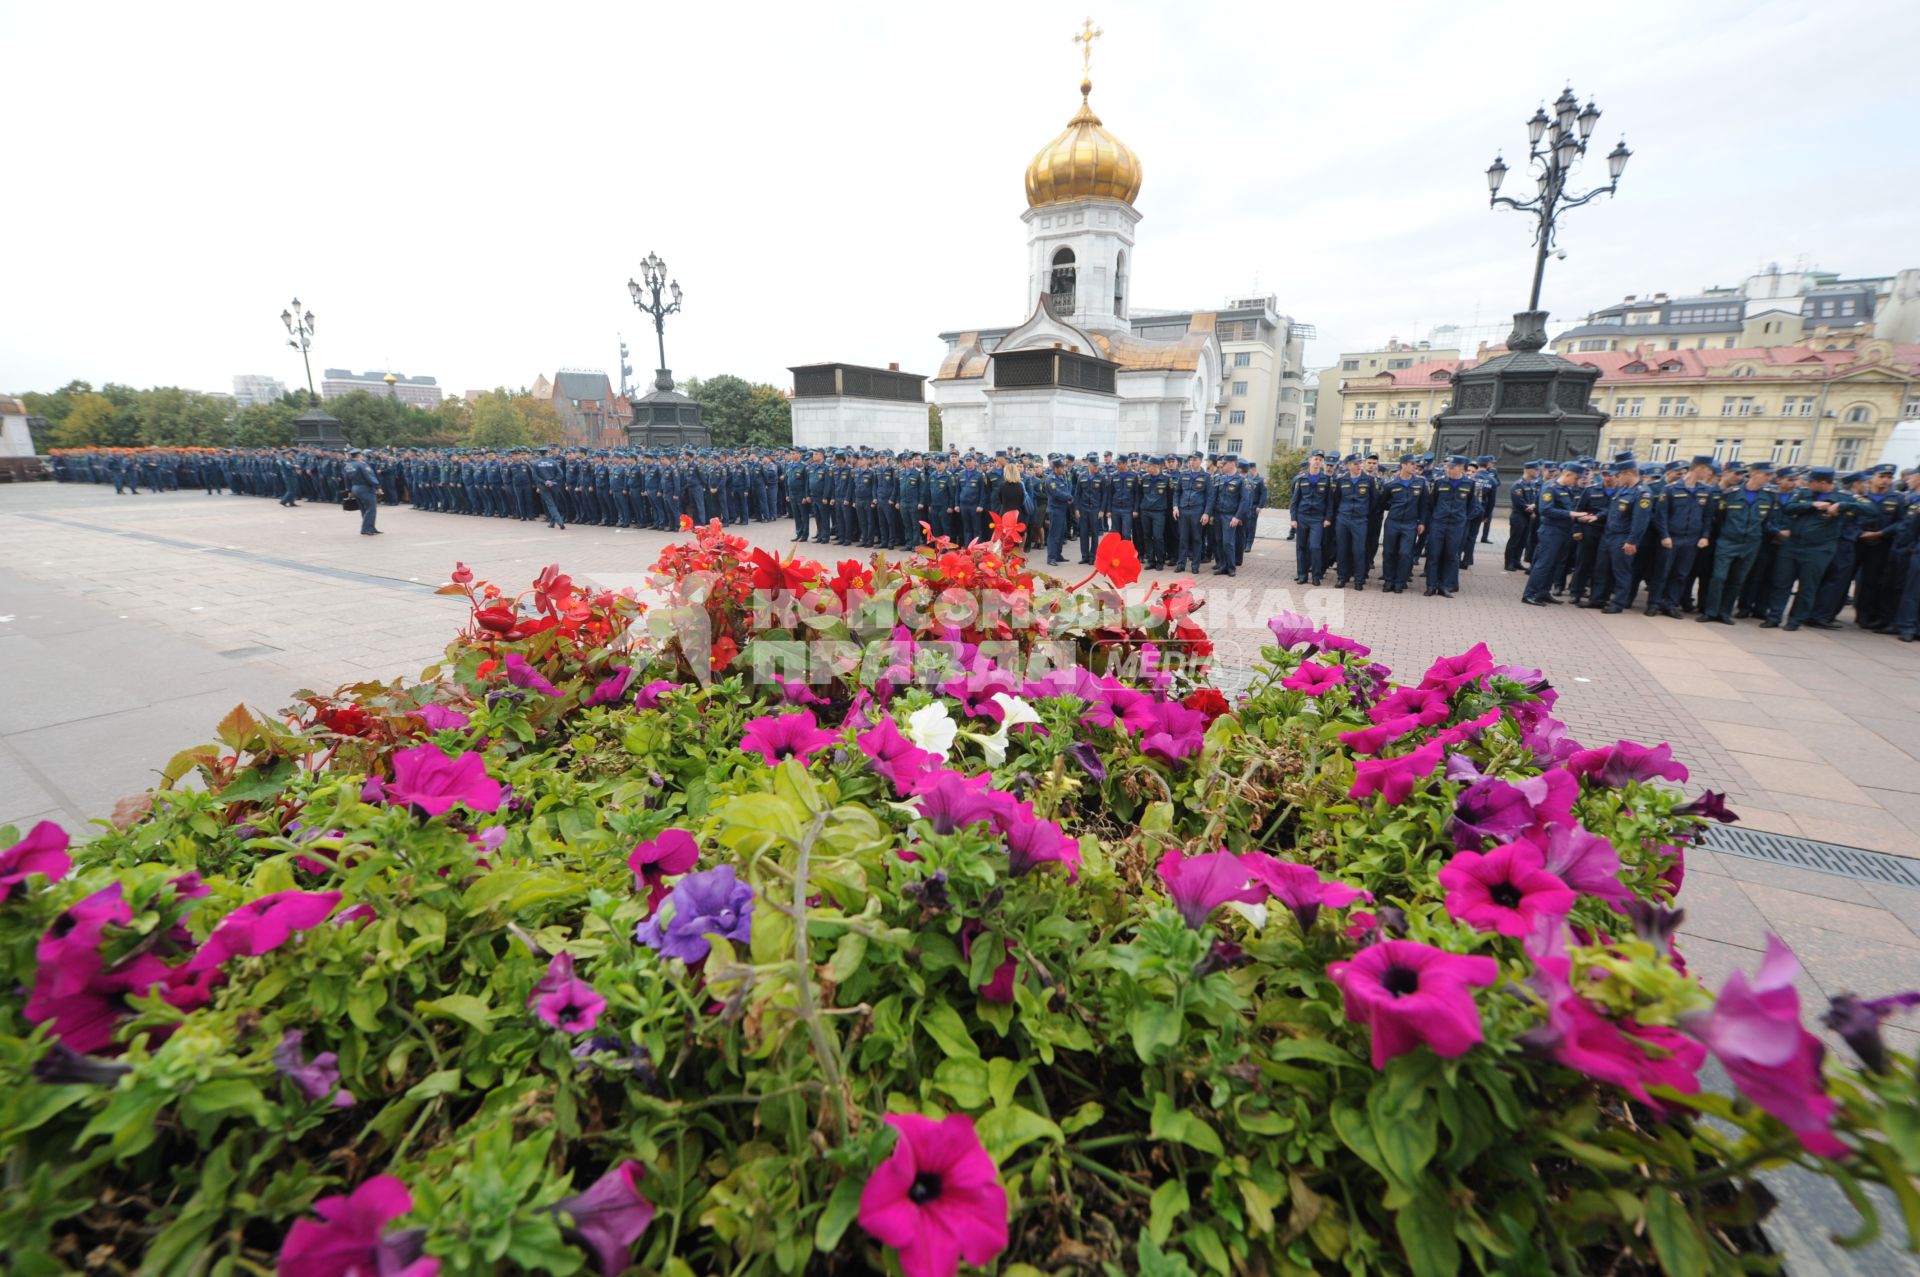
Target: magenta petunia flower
x,y
898,760
1371,740
373,790
1290,630
1630,1056
1314,679
649,696
1711,805
1624,762
673,852
523,675
1506,890
1754,1031
1429,706
263,925
439,718
795,691
1491,809
1584,861
1300,889
72,987
42,851
1452,672
937,1198
351,1239
1200,884
779,737
318,1078
1341,643
1407,993
564,1000
711,903
612,688
1549,742
1000,987
1394,778
609,1217
950,800
1032,842
424,777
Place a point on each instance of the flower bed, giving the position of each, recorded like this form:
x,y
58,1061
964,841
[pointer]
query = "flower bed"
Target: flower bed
x,y
826,919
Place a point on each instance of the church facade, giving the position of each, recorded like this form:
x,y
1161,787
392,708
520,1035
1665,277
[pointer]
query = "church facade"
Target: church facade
x,y
1075,376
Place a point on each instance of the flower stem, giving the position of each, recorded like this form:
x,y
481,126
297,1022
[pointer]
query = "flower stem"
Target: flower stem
x,y
824,1046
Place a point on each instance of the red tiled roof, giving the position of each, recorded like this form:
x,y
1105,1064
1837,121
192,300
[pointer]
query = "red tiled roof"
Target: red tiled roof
x,y
1813,364
1433,372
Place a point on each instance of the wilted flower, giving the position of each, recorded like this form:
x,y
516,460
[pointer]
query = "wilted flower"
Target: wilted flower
x,y
1858,1021
1711,805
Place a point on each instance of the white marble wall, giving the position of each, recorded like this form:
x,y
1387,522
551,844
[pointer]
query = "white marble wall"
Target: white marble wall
x,y
842,421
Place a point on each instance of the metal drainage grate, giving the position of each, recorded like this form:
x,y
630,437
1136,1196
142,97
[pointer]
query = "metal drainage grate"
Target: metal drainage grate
x,y
1821,857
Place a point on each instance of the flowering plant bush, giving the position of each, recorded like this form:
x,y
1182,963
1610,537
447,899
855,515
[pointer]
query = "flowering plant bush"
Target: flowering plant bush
x,y
569,961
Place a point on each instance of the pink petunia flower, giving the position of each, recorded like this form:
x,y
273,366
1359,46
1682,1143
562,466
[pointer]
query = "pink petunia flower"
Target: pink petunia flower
x,y
1506,890
779,737
671,853
894,757
439,718
1290,630
1623,762
649,696
609,1217
351,1240
1407,993
1000,987
1584,861
42,851
1300,889
263,925
564,1000
1032,842
936,1199
1371,740
523,675
1426,704
424,777
1629,1056
611,689
1754,1031
1314,679
1452,672
1394,778
1200,884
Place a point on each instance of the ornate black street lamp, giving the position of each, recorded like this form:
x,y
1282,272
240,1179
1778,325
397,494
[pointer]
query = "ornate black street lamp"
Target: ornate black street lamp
x,y
663,417
1555,145
299,322
1530,403
646,295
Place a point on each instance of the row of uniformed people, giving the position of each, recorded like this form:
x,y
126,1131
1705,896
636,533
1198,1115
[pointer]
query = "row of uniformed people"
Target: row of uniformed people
x,y
1346,511
1787,546
1178,511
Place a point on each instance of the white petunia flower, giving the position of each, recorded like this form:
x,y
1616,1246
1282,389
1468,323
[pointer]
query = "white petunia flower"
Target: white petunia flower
x,y
932,728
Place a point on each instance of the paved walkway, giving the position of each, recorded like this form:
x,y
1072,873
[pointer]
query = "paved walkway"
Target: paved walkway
x,y
129,625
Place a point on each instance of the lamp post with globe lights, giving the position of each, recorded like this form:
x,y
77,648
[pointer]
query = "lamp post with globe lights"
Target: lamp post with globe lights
x,y
299,322
1527,402
663,417
646,294
1555,145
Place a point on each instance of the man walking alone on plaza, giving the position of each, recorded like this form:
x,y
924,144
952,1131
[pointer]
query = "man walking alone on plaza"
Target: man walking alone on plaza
x,y
364,485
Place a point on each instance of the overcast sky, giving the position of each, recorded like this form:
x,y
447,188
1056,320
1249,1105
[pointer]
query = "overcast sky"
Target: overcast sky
x,y
463,190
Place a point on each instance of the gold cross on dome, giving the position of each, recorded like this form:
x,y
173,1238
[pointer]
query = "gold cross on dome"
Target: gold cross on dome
x,y
1088,34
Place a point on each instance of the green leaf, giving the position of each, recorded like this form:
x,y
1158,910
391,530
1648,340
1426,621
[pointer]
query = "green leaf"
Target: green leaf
x,y
1178,1126
1155,1262
1425,1226
949,1032
464,1007
1169,1203
1083,1117
1157,819
445,1082
840,1212
965,1080
1156,1028
1676,1238
227,1095
1206,1244
1351,1124
1407,1131
1005,1130
847,957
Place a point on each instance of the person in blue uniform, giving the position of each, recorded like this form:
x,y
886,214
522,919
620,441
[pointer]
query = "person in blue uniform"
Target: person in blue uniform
x,y
1355,494
1814,516
1156,500
1403,502
1190,489
1087,492
1629,520
364,485
1059,509
1449,509
1310,506
1228,505
1523,500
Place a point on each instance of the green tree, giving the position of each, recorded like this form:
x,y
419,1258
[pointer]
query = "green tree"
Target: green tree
x,y
171,417
770,418
935,430
456,419
381,421
93,421
56,405
266,425
543,419
726,405
497,423
1286,463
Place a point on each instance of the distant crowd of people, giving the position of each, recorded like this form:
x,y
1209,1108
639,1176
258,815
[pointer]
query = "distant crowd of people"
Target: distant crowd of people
x,y
1790,546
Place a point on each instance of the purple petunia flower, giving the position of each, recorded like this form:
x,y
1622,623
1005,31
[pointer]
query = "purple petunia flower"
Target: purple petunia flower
x,y
649,696
1290,630
950,801
779,737
713,902
564,1000
611,689
524,676
1200,884
1858,1021
439,718
373,790
318,1078
1300,889
263,925
902,763
1494,810
609,1217
42,851
1549,742
1625,762
1083,753
1032,842
352,1238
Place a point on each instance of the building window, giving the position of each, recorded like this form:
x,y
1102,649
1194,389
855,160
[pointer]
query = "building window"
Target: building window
x,y
1797,406
1395,365
1349,365
1236,445
1363,411
1750,408
1727,344
1910,410
1240,389
1237,417
1826,308
1673,343
1859,415
1744,370
1363,446
1628,407
1786,452
1060,287
1725,450
1241,358
1665,449
1673,406
1846,453
1592,343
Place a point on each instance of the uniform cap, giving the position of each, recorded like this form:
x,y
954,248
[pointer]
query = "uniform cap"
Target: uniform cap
x,y
1455,459
1821,472
1622,467
1761,467
1407,459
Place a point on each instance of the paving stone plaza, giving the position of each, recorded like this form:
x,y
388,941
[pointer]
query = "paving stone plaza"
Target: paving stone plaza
x,y
133,623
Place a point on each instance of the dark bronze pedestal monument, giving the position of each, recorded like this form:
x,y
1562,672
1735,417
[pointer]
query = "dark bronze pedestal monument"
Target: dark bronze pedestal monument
x,y
1526,404
665,418
315,428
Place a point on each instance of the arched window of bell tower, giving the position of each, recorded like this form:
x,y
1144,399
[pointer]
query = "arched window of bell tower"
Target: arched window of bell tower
x,y
1060,286
1120,285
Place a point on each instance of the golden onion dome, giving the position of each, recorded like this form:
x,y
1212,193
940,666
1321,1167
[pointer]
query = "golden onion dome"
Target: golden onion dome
x,y
1084,162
